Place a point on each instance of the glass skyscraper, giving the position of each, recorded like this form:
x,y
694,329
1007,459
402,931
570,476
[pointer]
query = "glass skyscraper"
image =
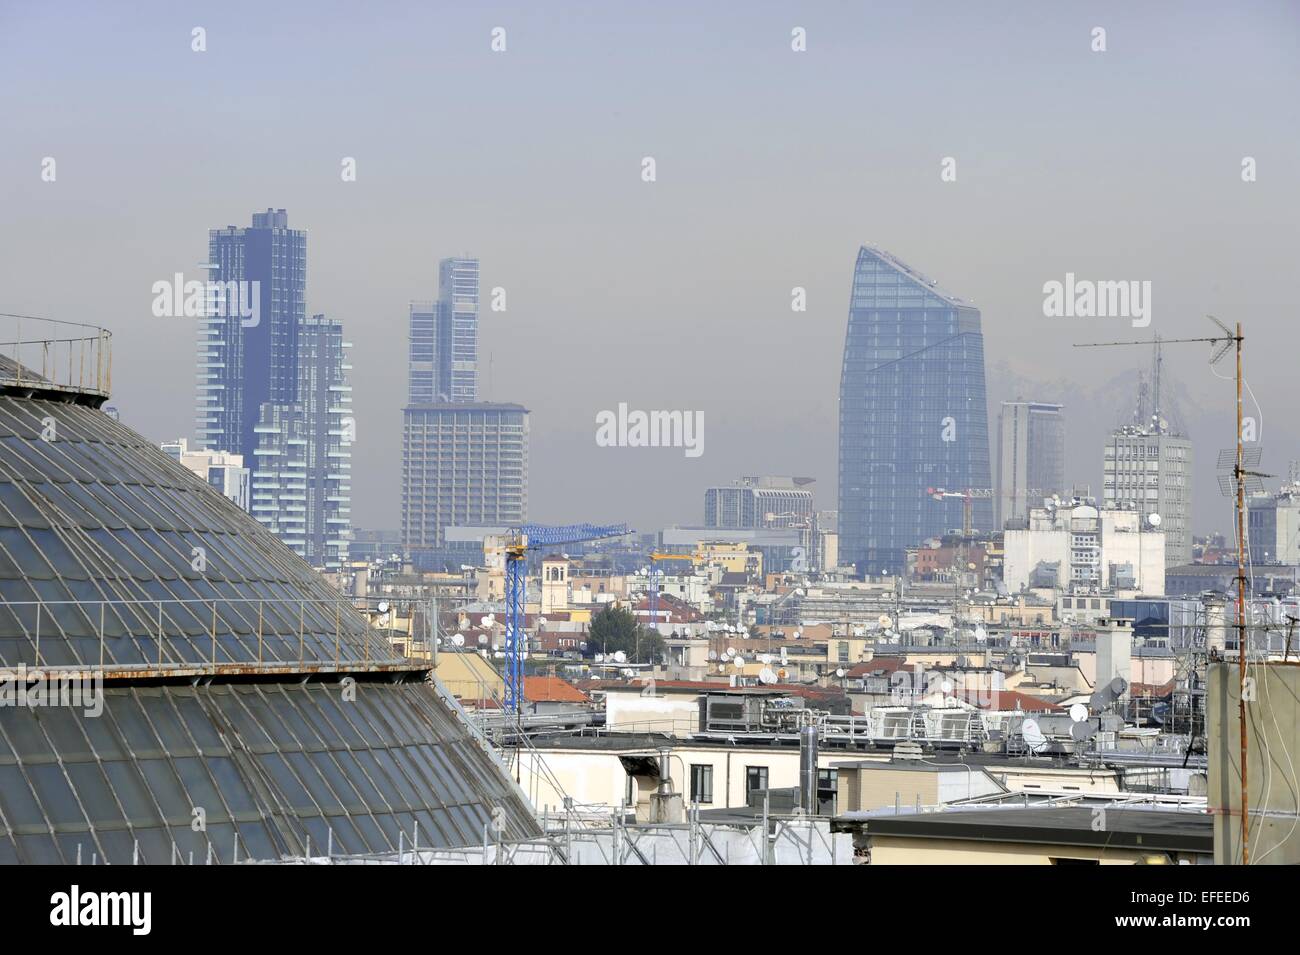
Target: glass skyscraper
x,y
244,362
273,386
913,418
458,328
442,361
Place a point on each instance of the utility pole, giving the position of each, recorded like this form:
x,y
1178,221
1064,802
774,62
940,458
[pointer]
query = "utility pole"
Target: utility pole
x,y
1241,613
1225,342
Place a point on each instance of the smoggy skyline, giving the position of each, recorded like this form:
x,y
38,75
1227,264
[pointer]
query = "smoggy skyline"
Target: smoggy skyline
x,y
772,168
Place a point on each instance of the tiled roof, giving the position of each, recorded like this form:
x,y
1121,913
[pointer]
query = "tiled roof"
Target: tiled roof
x,y
551,689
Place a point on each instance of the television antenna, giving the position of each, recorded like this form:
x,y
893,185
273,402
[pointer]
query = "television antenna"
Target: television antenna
x,y
1223,344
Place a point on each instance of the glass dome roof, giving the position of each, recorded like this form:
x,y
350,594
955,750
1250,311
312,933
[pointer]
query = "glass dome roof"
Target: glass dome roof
x,y
103,535
221,659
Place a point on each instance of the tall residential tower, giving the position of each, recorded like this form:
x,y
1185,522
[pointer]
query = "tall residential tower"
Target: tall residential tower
x,y
273,389
302,481
245,360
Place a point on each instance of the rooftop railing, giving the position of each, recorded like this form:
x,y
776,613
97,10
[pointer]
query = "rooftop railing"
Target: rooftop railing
x,y
49,354
183,637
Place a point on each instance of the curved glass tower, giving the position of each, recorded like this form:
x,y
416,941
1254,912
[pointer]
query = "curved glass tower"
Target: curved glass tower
x,y
912,415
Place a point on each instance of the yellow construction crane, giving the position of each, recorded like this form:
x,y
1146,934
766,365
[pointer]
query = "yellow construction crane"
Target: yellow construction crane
x,y
968,496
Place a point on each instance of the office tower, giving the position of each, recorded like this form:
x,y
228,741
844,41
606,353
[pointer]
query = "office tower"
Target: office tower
x,y
1147,466
458,329
1031,457
247,353
754,502
442,361
463,464
1149,470
912,415
422,374
302,482
221,470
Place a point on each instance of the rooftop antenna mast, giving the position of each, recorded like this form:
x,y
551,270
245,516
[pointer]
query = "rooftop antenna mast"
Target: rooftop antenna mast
x,y
1156,422
1225,343
1140,418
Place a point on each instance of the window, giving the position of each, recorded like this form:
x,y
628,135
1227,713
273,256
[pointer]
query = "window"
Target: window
x,y
701,783
755,780
828,781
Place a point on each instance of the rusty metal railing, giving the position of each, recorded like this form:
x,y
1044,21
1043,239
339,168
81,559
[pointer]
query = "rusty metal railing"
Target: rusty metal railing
x,y
47,353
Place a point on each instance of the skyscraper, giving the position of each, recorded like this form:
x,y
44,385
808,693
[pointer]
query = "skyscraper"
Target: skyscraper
x,y
912,415
458,328
422,372
1150,470
245,360
272,386
1147,465
302,482
1030,457
442,362
464,462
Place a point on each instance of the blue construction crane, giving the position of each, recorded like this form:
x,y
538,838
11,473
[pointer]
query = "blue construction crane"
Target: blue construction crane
x,y
519,541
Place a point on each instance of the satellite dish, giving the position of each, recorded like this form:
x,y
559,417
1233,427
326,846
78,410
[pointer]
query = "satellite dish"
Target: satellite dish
x,y
1081,731
713,655
1153,519
458,640
766,675
981,634
620,656
840,672
383,606
765,658
1078,712
1034,739
731,651
945,686
482,639
884,620
489,621
738,661
599,658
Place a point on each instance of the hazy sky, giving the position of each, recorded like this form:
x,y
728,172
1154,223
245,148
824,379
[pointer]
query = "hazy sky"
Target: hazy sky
x,y
773,166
